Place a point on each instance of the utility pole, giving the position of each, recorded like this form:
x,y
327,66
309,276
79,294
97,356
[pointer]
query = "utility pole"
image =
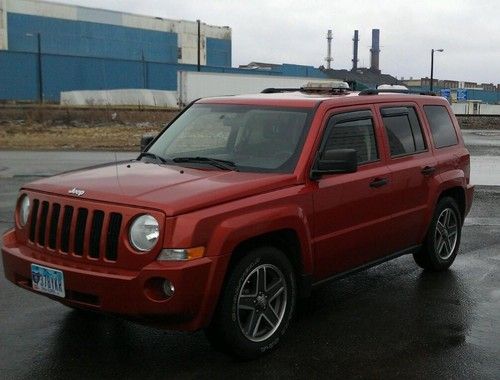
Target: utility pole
x,y
199,44
40,69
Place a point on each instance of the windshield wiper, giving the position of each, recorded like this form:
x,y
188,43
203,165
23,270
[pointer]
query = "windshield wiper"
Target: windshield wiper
x,y
221,164
159,160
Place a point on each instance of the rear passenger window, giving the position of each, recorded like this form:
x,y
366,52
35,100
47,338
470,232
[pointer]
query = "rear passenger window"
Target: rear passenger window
x,y
403,130
442,129
358,135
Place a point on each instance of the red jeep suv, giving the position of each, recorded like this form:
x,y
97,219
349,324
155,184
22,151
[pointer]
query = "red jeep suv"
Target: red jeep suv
x,y
244,203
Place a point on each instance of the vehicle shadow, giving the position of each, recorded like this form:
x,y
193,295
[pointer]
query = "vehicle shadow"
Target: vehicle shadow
x,y
364,326
387,325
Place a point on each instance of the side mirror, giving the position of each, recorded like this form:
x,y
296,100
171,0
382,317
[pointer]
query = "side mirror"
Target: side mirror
x,y
336,161
146,140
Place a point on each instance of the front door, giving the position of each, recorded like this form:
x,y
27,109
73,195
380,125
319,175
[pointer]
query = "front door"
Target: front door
x,y
351,209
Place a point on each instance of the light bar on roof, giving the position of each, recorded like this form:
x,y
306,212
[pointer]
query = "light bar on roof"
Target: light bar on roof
x,y
326,86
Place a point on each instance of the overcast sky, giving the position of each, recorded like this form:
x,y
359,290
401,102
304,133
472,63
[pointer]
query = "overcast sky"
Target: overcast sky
x,y
280,31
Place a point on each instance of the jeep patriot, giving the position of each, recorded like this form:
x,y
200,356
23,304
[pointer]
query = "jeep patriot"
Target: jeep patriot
x,y
243,204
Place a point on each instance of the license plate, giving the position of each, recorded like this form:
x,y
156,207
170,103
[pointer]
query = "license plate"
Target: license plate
x,y
47,280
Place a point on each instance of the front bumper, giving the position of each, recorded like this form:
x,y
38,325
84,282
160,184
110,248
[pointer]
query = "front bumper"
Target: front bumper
x,y
133,294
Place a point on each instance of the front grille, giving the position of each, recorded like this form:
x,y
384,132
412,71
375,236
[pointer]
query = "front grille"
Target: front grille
x,y
81,232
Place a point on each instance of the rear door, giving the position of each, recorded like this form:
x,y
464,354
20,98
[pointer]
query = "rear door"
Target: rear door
x,y
413,169
351,209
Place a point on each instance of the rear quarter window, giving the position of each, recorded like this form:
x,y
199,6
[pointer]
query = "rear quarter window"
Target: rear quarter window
x,y
403,130
442,129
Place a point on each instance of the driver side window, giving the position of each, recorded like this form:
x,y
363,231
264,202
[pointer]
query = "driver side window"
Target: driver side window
x,y
353,134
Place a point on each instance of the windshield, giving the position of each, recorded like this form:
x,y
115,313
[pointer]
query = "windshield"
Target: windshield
x,y
251,138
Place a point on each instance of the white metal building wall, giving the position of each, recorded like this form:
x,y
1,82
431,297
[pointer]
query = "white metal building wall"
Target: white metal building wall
x,y
187,31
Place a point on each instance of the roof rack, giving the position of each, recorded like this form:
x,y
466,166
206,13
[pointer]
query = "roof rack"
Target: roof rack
x,y
374,91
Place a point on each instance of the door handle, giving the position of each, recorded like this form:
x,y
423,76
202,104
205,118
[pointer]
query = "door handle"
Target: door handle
x,y
428,170
378,182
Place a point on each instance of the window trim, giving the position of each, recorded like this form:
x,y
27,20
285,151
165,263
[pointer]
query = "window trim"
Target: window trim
x,y
344,117
420,124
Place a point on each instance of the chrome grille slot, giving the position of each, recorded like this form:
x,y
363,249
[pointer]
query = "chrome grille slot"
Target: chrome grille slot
x,y
115,222
54,222
66,228
42,225
95,234
34,218
81,221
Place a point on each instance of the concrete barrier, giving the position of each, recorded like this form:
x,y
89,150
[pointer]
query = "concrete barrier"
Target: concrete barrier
x,y
126,97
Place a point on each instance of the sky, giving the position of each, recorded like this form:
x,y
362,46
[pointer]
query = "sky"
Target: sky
x,y
280,31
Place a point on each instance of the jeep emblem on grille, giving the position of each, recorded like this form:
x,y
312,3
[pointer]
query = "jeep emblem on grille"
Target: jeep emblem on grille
x,y
77,192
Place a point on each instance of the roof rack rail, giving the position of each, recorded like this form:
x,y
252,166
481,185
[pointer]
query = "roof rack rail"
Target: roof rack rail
x,y
374,91
272,90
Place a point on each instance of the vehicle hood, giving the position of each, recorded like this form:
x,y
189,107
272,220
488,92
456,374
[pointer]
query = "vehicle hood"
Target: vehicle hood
x,y
171,189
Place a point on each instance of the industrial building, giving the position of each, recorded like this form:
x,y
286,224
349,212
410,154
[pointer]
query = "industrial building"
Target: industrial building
x,y
80,31
47,48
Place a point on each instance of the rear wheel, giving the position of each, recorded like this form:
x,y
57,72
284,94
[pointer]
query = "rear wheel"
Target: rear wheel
x,y
443,237
256,304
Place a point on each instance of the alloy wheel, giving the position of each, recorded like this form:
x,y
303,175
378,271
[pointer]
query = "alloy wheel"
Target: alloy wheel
x,y
262,302
446,234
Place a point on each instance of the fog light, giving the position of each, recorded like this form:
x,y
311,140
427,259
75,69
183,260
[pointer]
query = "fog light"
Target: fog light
x,y
168,288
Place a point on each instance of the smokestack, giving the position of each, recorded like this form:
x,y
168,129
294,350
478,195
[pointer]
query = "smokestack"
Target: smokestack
x,y
329,58
355,51
375,50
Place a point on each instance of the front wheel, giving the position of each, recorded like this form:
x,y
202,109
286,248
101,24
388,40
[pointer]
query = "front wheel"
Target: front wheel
x,y
256,304
443,237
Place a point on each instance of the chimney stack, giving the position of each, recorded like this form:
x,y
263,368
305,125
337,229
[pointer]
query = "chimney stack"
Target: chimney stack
x,y
329,58
375,51
355,51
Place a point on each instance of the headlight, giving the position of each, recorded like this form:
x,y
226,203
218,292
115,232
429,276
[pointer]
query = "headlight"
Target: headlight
x,y
144,233
24,210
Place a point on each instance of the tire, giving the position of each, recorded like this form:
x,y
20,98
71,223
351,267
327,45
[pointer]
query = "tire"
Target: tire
x,y
442,241
255,306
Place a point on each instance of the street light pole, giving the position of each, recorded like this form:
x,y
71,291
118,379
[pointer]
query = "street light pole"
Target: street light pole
x,y
432,66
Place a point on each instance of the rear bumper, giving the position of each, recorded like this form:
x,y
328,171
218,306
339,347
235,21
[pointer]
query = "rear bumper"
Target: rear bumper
x,y
469,195
133,294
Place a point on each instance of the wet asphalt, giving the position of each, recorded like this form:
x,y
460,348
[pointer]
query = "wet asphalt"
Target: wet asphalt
x,y
391,321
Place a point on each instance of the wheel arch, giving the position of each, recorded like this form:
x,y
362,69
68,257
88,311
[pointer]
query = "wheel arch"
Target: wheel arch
x,y
286,240
285,228
458,194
